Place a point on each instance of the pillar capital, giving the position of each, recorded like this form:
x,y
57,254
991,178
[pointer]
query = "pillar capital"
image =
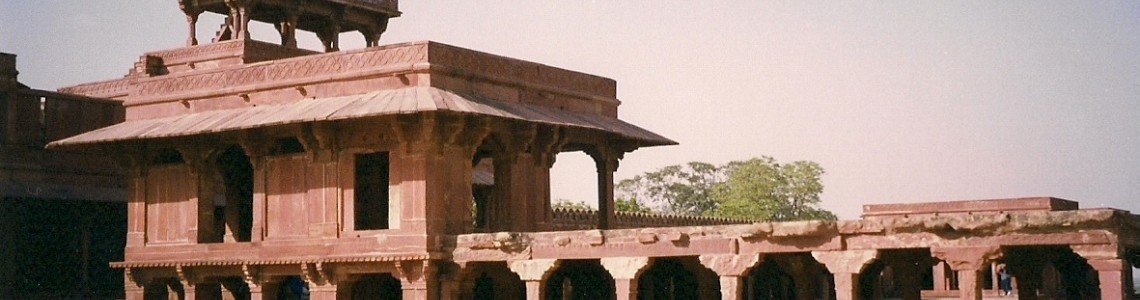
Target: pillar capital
x,y
533,269
730,264
967,258
625,267
849,261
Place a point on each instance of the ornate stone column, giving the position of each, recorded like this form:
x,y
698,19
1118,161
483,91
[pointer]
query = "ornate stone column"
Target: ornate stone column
x,y
135,287
968,262
846,266
731,269
534,272
625,271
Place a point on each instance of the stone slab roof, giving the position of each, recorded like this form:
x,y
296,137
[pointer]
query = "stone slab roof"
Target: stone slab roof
x,y
380,103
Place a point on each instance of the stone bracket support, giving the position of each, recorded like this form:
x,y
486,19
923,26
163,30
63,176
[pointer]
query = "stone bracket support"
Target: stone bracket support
x,y
968,261
534,272
846,266
625,270
731,269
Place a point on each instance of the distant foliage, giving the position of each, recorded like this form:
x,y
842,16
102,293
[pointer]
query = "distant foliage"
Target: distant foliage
x,y
756,189
569,204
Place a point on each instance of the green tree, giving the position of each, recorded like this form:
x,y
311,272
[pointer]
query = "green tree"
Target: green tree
x,y
677,189
630,205
758,189
568,204
761,188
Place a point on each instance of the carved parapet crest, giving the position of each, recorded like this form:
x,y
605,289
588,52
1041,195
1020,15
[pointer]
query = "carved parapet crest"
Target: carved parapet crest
x,y
533,269
849,261
625,267
730,264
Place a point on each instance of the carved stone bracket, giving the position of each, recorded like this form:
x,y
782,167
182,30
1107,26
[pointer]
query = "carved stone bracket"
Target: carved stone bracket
x,y
251,276
730,264
415,271
534,269
967,258
320,141
850,261
318,274
625,267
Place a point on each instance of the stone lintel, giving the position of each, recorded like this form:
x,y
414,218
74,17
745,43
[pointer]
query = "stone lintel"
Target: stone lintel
x,y
533,269
966,258
625,267
848,262
1101,251
730,264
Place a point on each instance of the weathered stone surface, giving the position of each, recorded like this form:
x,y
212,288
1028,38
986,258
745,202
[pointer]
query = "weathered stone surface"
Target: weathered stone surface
x,y
803,228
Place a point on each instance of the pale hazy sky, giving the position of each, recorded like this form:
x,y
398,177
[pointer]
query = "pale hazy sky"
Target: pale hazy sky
x,y
900,101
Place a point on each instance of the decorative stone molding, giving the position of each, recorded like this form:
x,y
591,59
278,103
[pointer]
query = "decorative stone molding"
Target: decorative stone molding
x,y
729,264
850,261
625,267
534,269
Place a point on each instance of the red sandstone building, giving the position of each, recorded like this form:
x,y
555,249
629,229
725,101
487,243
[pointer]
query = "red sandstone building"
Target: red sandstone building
x,y
421,170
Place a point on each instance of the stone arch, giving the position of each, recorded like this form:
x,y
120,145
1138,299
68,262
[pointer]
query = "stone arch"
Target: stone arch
x,y
580,280
377,286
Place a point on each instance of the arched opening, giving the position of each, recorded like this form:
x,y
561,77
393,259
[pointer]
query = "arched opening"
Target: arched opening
x,y
675,278
377,286
482,189
788,276
233,205
573,179
580,280
768,281
489,281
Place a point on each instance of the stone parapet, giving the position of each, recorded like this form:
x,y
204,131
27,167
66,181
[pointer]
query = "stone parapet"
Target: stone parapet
x,y
575,219
969,207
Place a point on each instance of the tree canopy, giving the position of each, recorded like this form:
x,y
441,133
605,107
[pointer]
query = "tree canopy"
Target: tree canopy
x,y
758,189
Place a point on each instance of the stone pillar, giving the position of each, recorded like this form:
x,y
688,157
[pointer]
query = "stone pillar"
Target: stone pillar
x,y
135,287
846,266
606,162
1110,269
1113,283
968,262
940,281
731,269
625,271
534,272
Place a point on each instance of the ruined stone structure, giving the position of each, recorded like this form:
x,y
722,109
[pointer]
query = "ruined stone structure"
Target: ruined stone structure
x,y
265,171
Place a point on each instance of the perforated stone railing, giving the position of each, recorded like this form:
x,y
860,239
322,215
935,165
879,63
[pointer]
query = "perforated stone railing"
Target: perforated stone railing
x,y
578,219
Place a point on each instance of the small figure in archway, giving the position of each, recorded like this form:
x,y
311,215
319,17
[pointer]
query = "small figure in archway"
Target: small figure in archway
x,y
1005,280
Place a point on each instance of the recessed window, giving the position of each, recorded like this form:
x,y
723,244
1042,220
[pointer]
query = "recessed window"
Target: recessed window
x,y
371,204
